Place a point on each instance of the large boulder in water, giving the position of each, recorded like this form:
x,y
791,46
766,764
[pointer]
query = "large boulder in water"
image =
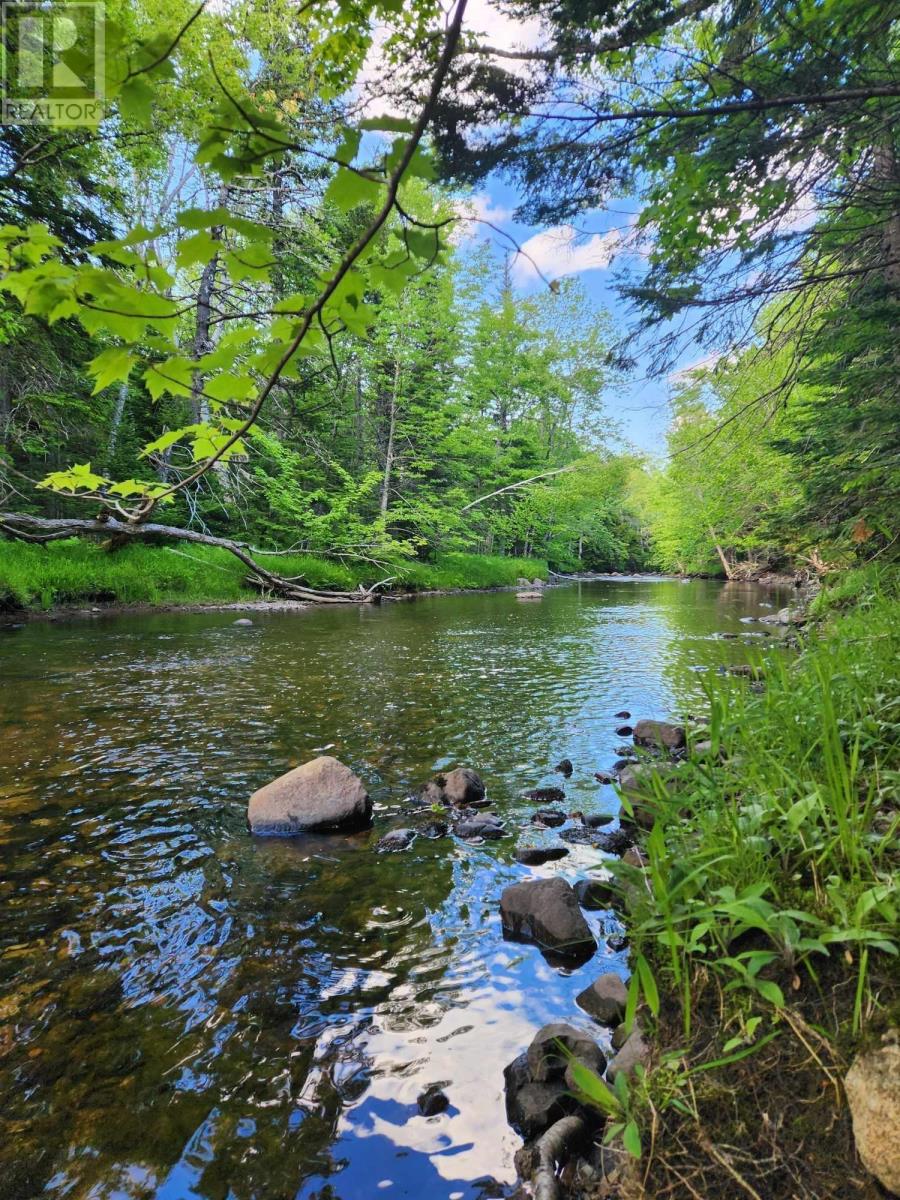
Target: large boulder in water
x,y
546,911
463,786
321,796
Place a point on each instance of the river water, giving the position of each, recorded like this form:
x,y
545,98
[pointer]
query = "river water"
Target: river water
x,y
187,1012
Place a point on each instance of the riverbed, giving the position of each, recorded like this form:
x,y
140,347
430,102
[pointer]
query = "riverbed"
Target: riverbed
x,y
188,1012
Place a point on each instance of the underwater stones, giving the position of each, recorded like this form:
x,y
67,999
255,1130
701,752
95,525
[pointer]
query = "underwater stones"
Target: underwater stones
x,y
660,735
489,827
395,841
604,999
546,795
549,817
320,796
545,911
536,856
433,830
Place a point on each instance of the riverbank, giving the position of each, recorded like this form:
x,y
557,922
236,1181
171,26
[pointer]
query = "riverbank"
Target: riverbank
x,y
70,575
763,922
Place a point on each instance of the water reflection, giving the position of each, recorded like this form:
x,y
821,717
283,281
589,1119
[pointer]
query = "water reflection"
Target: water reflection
x,y
188,1012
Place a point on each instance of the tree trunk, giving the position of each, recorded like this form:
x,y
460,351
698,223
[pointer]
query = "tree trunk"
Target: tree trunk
x,y
726,565
389,452
116,422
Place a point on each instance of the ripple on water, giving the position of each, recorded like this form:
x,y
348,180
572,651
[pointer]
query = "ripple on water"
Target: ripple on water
x,y
189,1012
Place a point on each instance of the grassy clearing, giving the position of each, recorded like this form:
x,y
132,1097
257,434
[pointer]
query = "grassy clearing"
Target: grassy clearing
x,y
764,928
74,572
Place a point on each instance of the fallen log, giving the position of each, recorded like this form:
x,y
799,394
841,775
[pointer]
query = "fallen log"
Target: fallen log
x,y
28,528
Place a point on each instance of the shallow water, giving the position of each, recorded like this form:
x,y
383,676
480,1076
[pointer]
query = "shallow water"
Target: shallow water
x,y
187,1012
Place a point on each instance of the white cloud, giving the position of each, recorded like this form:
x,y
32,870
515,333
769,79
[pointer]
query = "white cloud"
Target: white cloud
x,y
562,251
477,208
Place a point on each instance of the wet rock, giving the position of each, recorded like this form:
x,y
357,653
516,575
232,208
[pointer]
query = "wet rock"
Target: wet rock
x,y
620,1035
873,1093
582,835
621,763
463,786
550,817
431,794
84,994
432,1101
604,777
546,795
594,820
594,894
483,827
623,715
745,671
604,999
321,795
396,840
533,1107
617,942
538,583
635,857
564,766
624,731
662,735
617,841
546,911
529,595
782,617
536,856
434,830
547,1060
633,1052
242,621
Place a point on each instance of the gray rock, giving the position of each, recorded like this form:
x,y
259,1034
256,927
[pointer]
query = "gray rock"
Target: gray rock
x,y
434,829
396,840
620,1035
322,795
624,731
660,735
538,583
546,911
547,795
595,820
522,582
617,942
551,817
483,827
463,786
533,595
431,794
536,856
533,1107
604,777
242,621
617,841
547,1060
595,894
873,1093
604,999
634,1051
564,766
623,715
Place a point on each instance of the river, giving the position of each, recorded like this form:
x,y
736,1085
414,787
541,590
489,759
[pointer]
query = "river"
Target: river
x,y
188,1012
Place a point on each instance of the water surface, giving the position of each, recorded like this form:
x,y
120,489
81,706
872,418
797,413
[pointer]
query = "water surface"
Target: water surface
x,y
187,1012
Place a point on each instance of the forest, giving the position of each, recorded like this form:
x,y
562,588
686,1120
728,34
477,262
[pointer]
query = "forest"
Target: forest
x,y
310,306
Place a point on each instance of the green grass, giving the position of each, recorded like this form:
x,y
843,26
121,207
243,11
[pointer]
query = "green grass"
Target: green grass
x,y
764,931
73,572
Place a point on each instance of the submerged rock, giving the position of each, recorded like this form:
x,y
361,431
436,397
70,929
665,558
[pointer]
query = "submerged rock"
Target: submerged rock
x,y
551,817
546,795
536,856
873,1093
396,840
546,911
434,829
321,795
604,999
662,735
